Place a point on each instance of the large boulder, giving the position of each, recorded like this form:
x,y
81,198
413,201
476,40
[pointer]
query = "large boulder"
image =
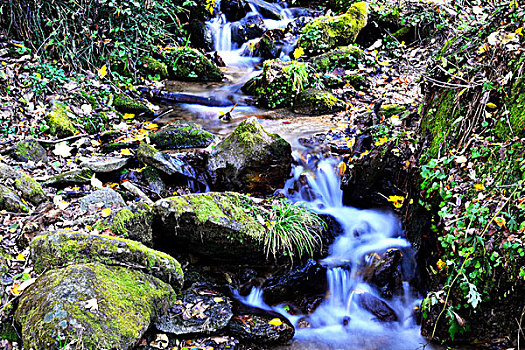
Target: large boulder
x,y
327,32
90,306
181,134
191,65
200,35
58,249
317,102
30,190
197,310
234,227
250,160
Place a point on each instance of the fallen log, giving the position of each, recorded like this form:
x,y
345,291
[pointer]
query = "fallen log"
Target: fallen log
x,y
157,95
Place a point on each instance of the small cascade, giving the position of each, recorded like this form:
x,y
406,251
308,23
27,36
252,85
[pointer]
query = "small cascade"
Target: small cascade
x,y
343,321
222,33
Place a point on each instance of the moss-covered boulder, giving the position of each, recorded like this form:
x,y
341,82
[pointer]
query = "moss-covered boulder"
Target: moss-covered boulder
x,y
164,162
346,57
250,160
59,122
134,223
181,134
10,201
191,65
219,226
30,189
150,66
76,176
61,248
125,104
90,306
29,150
327,32
317,102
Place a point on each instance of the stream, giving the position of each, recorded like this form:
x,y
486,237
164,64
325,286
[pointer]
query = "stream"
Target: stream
x,y
340,322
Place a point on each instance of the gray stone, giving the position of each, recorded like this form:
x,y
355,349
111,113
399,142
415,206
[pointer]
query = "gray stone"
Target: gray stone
x,y
29,150
107,196
104,164
10,201
30,189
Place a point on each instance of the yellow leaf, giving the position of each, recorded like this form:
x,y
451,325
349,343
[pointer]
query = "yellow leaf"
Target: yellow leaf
x,y
491,105
397,201
20,257
519,31
275,322
298,52
218,300
440,263
479,187
105,212
483,48
500,221
382,140
95,143
128,116
342,168
151,126
103,71
125,152
15,290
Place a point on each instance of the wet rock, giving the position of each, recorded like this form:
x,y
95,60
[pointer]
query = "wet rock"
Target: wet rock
x,y
105,197
72,177
29,150
59,122
309,279
164,162
376,306
234,9
154,181
296,26
125,104
61,248
317,102
103,164
197,310
213,225
270,45
150,66
30,190
181,134
247,29
200,35
10,201
133,223
327,32
250,160
92,306
385,274
267,9
191,65
260,326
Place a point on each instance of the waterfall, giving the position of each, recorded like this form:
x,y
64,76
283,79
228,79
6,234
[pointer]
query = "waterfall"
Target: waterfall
x,y
341,321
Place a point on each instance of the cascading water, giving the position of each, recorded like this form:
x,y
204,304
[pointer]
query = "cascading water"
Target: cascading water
x,y
341,321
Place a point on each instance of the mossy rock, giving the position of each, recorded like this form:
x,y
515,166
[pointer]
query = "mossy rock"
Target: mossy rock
x,y
514,124
327,32
390,110
72,177
60,124
167,164
4,258
125,104
134,224
10,201
181,134
29,150
317,102
346,57
30,189
61,248
104,197
191,65
151,66
250,160
92,306
220,226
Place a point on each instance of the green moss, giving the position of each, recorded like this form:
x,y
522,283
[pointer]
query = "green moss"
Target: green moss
x,y
10,201
124,104
8,332
346,57
388,111
181,134
127,301
59,122
191,65
151,66
61,248
326,32
514,123
315,101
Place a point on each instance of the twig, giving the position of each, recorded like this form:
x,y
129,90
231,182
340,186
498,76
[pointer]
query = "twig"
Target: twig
x,y
74,137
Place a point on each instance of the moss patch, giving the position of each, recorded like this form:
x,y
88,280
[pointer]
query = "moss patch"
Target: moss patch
x,y
151,66
191,65
59,122
125,104
316,102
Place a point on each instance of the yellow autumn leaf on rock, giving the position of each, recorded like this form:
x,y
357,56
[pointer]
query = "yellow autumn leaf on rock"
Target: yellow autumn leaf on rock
x,y
491,105
20,257
151,126
275,322
103,71
128,116
381,141
105,212
218,300
125,152
397,201
500,221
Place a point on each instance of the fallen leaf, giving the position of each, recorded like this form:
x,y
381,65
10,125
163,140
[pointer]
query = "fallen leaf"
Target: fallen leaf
x,y
218,300
20,257
342,168
126,152
105,212
491,105
62,149
479,187
103,71
96,182
91,305
461,159
500,221
275,322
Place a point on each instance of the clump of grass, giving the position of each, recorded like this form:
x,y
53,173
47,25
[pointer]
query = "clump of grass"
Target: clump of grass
x,y
293,231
